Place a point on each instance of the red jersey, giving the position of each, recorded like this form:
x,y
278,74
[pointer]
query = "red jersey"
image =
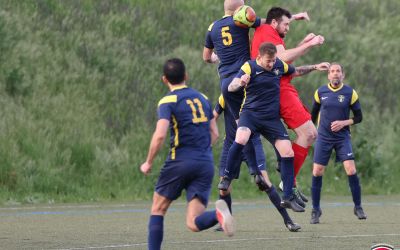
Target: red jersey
x,y
266,33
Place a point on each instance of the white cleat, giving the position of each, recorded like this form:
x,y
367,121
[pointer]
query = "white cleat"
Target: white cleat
x,y
225,218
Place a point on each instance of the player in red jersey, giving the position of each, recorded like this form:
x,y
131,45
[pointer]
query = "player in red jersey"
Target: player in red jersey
x,y
293,112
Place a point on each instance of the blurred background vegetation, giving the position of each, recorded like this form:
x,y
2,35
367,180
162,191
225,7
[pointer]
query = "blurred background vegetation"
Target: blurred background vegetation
x,y
80,82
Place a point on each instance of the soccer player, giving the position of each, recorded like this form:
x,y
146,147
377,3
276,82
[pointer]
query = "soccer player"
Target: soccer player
x,y
260,113
293,112
333,103
188,115
230,128
229,45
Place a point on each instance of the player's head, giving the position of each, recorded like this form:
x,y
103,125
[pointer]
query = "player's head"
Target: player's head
x,y
231,5
279,19
174,71
335,74
266,55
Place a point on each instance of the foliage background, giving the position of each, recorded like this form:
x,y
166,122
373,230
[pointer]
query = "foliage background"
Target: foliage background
x,y
80,81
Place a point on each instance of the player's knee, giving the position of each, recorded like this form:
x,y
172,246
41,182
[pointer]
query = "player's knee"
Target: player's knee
x,y
318,171
351,171
159,210
241,140
287,152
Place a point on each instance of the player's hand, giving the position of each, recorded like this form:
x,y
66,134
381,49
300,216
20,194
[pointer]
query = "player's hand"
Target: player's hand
x,y
244,80
214,58
338,125
301,16
324,66
317,40
308,37
145,168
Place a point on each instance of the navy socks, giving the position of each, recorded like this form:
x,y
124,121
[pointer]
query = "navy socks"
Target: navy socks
x,y
156,232
316,185
355,188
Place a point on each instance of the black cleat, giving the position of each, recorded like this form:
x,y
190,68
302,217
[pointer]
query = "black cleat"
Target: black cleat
x,y
299,200
292,204
224,183
218,229
293,227
315,214
260,181
301,195
359,212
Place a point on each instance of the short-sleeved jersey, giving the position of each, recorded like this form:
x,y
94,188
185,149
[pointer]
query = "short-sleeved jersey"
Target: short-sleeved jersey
x,y
335,105
266,33
261,94
189,113
231,43
229,120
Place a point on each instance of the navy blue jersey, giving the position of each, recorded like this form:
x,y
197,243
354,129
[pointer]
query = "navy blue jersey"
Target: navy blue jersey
x,y
261,94
231,43
189,113
229,120
335,105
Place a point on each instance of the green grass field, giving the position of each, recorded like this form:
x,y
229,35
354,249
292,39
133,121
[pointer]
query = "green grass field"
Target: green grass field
x,y
124,226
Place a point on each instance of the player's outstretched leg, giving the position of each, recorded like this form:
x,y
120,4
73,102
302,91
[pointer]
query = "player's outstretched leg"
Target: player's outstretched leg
x,y
224,217
276,200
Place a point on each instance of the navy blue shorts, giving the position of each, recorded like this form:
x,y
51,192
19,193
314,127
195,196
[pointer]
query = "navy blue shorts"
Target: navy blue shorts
x,y
260,158
323,151
192,175
272,129
233,100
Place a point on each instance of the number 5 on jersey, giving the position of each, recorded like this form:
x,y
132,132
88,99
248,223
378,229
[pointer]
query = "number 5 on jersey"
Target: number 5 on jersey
x,y
226,36
193,103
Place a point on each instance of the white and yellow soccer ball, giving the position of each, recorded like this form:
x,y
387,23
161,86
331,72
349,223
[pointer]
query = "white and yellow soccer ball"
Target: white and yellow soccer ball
x,y
244,16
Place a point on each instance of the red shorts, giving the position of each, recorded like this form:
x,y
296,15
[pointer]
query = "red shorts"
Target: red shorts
x,y
293,111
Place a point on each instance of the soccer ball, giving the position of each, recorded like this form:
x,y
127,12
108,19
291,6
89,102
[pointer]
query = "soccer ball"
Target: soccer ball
x,y
244,16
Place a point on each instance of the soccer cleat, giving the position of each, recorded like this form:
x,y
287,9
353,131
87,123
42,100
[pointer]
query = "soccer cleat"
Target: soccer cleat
x,y
218,229
359,212
292,204
298,198
224,183
293,227
280,186
261,183
301,195
224,217
315,214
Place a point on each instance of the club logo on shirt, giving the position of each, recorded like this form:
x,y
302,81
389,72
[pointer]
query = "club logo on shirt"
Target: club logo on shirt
x,y
276,71
341,98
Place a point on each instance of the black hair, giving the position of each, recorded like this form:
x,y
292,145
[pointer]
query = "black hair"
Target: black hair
x,y
277,13
174,70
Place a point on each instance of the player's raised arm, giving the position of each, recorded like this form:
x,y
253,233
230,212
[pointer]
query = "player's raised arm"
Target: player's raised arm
x,y
289,55
302,70
300,16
